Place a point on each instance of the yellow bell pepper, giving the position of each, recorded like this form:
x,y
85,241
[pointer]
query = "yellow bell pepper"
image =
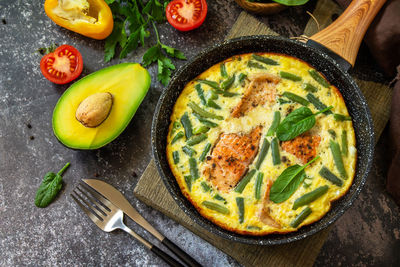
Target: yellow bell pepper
x,y
91,18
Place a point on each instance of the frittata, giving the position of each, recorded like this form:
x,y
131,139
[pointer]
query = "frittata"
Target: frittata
x,y
261,143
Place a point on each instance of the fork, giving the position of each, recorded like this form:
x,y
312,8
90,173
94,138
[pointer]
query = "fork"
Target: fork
x,y
109,217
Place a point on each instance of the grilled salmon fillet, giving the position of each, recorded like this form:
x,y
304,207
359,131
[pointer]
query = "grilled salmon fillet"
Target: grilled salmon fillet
x,y
264,213
304,146
230,158
260,90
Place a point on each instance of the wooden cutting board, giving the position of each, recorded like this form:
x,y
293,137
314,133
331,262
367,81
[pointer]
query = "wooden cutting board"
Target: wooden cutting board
x,y
151,190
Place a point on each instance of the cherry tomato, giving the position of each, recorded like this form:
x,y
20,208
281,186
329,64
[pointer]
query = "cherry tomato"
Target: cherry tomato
x,y
63,65
186,15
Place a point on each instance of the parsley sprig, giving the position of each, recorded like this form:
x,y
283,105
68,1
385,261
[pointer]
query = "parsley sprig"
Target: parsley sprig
x,y
133,20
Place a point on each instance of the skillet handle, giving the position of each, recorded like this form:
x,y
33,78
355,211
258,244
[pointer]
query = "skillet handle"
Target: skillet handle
x,y
345,34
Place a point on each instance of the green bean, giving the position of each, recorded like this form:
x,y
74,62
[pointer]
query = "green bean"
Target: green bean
x,y
275,123
225,93
205,122
196,139
178,136
240,205
318,78
310,197
215,207
317,103
307,182
175,156
203,113
241,77
289,76
187,125
212,95
276,157
340,117
212,84
218,197
345,148
252,64
252,227
283,101
258,184
188,180
224,73
194,172
225,85
337,158
201,129
205,187
246,179
175,127
265,60
296,98
188,151
262,154
200,93
205,152
309,87
212,104
301,217
328,175
332,133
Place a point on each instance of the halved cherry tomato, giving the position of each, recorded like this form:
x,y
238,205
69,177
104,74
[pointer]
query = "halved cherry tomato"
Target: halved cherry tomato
x,y
186,15
63,65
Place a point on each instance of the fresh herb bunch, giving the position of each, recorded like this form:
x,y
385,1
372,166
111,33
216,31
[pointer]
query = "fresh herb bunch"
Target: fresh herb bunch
x,y
133,20
49,188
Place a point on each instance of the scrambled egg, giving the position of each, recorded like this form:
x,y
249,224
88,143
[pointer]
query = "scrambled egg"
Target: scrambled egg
x,y
326,127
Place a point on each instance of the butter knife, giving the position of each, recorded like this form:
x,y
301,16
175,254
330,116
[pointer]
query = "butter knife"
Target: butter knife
x,y
116,197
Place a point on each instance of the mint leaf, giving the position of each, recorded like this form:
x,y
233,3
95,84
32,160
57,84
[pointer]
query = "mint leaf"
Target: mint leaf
x,y
49,188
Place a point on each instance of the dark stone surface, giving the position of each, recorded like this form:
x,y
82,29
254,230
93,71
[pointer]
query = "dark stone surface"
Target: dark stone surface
x,y
61,234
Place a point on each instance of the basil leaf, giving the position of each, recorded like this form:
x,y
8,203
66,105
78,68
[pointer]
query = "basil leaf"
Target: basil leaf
x,y
288,182
49,188
297,122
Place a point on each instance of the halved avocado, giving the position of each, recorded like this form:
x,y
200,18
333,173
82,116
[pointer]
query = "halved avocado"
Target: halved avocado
x,y
128,84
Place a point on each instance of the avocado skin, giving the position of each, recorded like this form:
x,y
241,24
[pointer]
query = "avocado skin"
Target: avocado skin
x,y
129,84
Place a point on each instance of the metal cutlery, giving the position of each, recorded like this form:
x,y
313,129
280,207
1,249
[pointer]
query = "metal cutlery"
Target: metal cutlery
x,y
109,217
116,197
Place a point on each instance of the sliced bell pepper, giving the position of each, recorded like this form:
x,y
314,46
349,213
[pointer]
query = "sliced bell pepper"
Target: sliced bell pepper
x,y
91,18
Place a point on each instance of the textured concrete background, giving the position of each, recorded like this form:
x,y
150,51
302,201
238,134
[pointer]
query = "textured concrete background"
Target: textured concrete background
x,y
368,234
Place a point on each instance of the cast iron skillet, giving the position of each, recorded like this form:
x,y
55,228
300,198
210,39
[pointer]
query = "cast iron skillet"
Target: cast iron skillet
x,y
331,65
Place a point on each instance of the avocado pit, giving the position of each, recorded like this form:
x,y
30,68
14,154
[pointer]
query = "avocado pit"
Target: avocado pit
x,y
94,109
